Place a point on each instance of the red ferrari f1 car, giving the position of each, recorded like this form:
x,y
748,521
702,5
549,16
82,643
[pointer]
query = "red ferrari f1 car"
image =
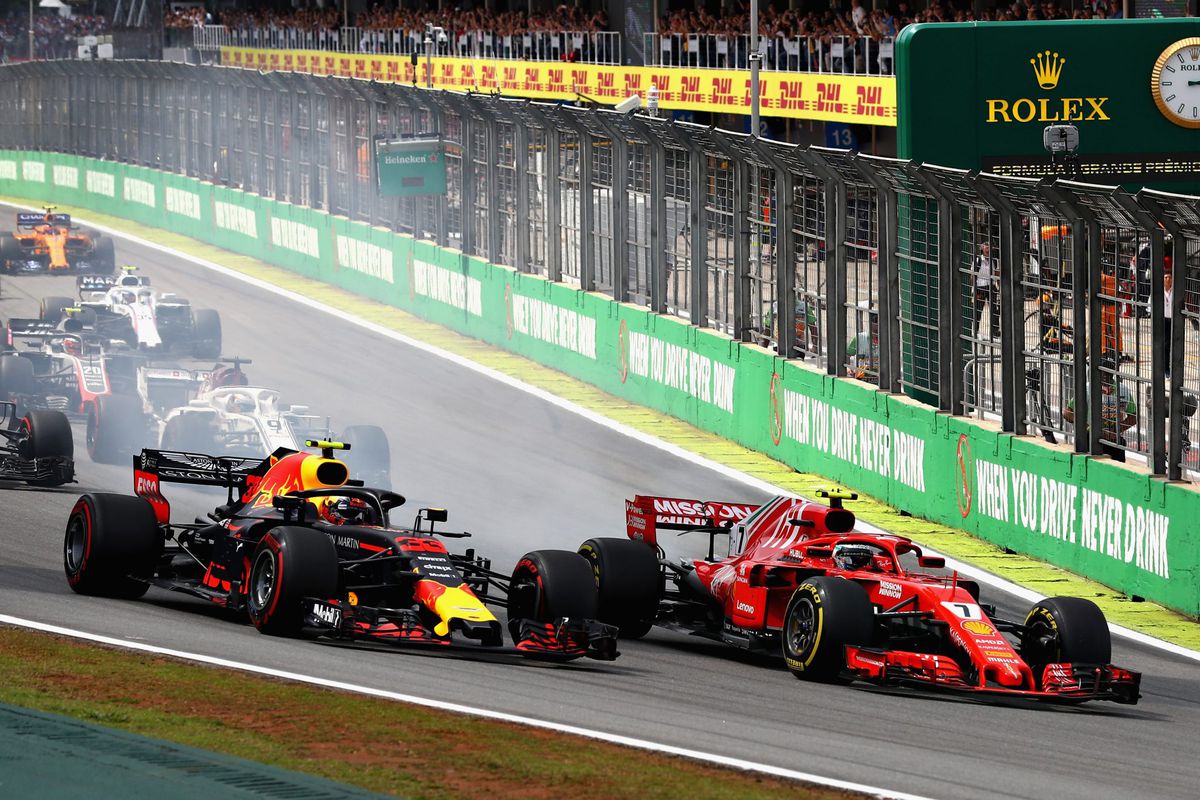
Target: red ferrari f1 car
x,y
300,547
840,604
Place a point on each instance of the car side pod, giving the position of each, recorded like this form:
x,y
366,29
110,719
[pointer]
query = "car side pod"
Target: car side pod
x,y
565,639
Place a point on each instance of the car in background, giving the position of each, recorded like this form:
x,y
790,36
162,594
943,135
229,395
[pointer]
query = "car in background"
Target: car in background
x,y
218,410
125,308
36,448
300,547
65,368
838,604
49,243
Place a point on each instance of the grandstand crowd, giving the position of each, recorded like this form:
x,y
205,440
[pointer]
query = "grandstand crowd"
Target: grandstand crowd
x,y
53,35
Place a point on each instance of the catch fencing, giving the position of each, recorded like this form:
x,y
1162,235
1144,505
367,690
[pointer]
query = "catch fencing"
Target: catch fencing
x,y
1040,305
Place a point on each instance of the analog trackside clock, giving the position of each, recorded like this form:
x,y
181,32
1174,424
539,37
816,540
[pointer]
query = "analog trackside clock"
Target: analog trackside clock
x,y
1175,82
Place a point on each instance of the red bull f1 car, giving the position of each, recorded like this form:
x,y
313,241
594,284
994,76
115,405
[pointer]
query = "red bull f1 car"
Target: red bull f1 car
x,y
48,242
300,547
36,448
839,604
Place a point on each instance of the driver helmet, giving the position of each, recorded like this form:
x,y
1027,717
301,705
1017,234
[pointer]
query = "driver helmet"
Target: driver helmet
x,y
340,510
127,297
240,403
229,376
72,346
852,556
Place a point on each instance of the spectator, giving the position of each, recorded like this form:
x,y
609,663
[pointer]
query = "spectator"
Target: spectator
x,y
987,285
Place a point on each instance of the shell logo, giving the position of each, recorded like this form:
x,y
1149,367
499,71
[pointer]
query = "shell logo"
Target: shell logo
x,y
978,628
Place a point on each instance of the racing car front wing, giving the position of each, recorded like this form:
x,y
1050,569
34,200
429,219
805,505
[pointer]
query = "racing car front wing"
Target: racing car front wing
x,y
562,640
52,470
1064,683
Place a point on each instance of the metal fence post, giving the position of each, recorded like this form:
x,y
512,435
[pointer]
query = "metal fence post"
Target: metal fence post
x,y
835,262
783,205
697,162
493,183
619,208
1159,209
554,239
1159,367
1012,319
888,266
587,214
950,365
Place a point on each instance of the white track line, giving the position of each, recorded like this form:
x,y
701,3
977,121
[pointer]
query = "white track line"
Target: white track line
x,y
976,573
499,716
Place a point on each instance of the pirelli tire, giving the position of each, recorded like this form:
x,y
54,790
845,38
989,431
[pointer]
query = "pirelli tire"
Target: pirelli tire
x,y
16,377
10,250
369,456
289,564
550,584
206,332
104,259
628,583
54,309
112,545
823,616
194,432
116,428
1065,630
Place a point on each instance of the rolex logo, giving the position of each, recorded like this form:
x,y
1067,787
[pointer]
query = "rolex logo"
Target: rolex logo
x,y
1047,67
1194,53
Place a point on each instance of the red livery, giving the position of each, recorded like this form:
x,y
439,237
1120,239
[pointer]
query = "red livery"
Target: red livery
x,y
841,604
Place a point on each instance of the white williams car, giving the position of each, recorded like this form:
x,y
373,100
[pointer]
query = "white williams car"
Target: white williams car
x,y
216,412
125,308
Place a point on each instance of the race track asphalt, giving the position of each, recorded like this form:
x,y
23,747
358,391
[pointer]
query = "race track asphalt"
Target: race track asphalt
x,y
523,474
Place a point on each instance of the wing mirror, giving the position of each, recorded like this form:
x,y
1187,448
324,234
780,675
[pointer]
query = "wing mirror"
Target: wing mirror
x,y
931,562
434,514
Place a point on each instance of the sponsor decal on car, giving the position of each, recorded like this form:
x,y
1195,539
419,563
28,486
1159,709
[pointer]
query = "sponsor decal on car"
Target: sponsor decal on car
x,y
978,628
890,589
331,615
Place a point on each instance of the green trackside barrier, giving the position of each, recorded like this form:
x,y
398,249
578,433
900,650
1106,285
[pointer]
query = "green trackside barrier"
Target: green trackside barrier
x,y
1112,524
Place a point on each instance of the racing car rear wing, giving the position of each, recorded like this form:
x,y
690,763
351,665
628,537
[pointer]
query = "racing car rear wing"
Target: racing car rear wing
x,y
151,468
29,220
645,515
92,284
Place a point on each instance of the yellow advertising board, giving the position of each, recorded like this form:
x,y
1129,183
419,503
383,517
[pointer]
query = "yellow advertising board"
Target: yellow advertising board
x,y
799,95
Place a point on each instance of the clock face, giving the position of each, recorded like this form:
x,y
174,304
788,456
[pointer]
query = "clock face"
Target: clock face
x,y
1175,83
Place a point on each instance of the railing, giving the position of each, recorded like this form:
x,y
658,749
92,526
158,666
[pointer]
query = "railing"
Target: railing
x,y
603,47
1039,305
840,55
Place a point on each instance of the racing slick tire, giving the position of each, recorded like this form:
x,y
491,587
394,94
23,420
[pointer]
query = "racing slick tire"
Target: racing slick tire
x,y
54,309
104,259
190,432
112,545
16,377
549,584
1065,630
369,456
48,435
206,330
628,583
116,427
10,250
289,565
824,615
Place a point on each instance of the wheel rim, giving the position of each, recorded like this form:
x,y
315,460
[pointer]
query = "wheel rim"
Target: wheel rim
x,y
802,626
76,546
262,584
1043,647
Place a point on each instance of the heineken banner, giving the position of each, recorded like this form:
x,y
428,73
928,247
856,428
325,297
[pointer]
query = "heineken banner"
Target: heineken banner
x,y
410,167
1113,524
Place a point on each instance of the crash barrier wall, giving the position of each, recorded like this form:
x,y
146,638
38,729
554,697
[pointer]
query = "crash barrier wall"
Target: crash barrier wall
x,y
893,250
